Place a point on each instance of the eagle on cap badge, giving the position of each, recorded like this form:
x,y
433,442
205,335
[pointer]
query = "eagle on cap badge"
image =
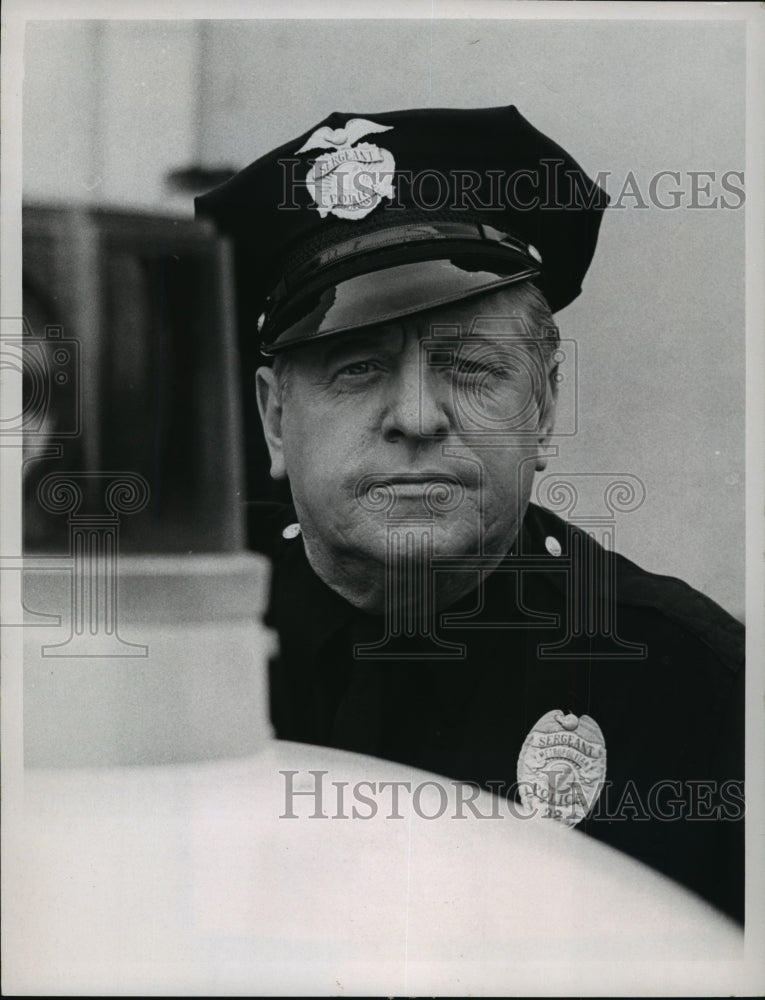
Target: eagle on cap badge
x,y
352,180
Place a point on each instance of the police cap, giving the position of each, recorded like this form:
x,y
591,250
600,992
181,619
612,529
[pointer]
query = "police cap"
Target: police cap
x,y
369,217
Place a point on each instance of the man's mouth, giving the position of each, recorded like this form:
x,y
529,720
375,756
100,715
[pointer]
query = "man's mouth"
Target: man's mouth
x,y
422,479
438,491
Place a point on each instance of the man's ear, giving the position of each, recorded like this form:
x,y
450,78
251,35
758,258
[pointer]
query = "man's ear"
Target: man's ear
x,y
269,395
547,418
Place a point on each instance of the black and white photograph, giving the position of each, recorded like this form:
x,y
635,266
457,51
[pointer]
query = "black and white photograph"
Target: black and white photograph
x,y
382,498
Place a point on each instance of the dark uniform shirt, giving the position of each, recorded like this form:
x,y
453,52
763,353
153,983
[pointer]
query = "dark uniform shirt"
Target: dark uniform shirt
x,y
561,624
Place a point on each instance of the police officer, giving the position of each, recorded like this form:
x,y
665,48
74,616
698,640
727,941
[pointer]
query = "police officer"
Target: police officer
x,y
398,274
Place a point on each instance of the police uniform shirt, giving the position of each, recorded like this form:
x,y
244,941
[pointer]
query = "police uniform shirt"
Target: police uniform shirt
x,y
671,717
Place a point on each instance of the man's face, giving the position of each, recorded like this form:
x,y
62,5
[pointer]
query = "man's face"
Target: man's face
x,y
406,424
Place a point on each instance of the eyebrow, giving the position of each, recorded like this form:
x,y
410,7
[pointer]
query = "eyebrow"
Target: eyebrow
x,y
501,354
362,340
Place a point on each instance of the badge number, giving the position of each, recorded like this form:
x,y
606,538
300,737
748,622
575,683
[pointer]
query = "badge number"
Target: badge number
x,y
562,767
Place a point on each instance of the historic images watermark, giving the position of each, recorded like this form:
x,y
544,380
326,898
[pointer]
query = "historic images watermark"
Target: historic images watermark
x,y
51,404
94,503
546,187
313,795
50,367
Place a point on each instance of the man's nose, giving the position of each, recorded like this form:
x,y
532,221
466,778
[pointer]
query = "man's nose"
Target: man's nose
x,y
416,405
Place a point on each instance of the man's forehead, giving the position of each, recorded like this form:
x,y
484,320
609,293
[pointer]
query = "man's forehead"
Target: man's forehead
x,y
392,336
491,321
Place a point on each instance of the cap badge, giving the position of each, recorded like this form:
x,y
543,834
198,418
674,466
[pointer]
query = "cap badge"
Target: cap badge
x,y
562,767
352,180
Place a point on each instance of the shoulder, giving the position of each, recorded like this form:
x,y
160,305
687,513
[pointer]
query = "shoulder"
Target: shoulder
x,y
665,601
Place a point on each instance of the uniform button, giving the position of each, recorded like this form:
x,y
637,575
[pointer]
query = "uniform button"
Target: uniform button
x,y
553,546
291,531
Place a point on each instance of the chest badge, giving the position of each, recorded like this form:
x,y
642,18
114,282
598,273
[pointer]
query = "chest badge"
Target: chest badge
x,y
352,180
562,767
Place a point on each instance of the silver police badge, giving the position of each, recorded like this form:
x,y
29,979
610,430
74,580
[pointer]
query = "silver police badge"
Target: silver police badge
x,y
352,180
562,767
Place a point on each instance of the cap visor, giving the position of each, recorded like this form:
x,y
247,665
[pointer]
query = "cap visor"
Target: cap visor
x,y
380,296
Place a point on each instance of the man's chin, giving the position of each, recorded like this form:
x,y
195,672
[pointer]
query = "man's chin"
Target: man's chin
x,y
411,543
371,562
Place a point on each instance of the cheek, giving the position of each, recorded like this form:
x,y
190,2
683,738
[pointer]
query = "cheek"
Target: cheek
x,y
509,474
322,443
519,407
497,408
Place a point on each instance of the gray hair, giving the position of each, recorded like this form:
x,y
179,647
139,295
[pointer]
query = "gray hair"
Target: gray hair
x,y
525,299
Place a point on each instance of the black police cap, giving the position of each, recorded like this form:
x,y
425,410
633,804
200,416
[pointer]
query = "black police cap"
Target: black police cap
x,y
370,217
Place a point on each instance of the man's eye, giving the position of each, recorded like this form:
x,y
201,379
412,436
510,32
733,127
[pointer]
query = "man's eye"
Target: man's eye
x,y
359,368
480,369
